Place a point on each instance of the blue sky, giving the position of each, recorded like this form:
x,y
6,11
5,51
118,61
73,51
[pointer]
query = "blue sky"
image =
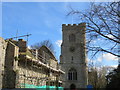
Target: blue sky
x,y
41,19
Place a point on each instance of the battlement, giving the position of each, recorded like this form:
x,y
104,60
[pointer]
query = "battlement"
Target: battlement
x,y
67,25
74,26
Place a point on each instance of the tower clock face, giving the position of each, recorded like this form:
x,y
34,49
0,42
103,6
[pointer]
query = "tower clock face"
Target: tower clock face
x,y
72,49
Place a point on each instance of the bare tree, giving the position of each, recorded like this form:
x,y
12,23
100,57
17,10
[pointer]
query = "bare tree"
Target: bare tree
x,y
102,20
97,76
46,43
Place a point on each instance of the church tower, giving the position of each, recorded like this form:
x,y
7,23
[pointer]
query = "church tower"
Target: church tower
x,y
73,56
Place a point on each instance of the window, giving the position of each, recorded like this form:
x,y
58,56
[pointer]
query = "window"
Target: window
x,y
72,38
72,74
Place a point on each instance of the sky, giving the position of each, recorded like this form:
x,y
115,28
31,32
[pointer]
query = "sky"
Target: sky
x,y
44,21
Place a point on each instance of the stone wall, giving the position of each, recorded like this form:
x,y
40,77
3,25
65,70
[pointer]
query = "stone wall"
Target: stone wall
x,y
30,77
9,78
38,78
2,58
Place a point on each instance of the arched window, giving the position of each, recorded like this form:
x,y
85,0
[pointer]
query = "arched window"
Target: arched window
x,y
71,38
72,74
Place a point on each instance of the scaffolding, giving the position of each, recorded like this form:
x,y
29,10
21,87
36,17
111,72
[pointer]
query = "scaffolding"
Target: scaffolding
x,y
33,73
32,69
44,76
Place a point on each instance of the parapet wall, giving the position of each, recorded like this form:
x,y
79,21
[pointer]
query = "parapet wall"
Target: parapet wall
x,y
74,26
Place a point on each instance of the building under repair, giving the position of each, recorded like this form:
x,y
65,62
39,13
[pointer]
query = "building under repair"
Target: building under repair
x,y
21,66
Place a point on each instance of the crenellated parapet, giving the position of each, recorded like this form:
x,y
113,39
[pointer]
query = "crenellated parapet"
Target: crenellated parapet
x,y
81,26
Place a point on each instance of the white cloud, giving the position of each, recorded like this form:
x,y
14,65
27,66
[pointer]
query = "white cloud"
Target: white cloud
x,y
58,42
100,59
108,57
114,66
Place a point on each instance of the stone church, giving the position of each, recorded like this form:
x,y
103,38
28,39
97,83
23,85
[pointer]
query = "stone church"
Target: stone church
x,y
73,56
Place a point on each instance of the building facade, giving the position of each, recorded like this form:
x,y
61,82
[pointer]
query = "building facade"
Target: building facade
x,y
23,66
73,56
2,58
